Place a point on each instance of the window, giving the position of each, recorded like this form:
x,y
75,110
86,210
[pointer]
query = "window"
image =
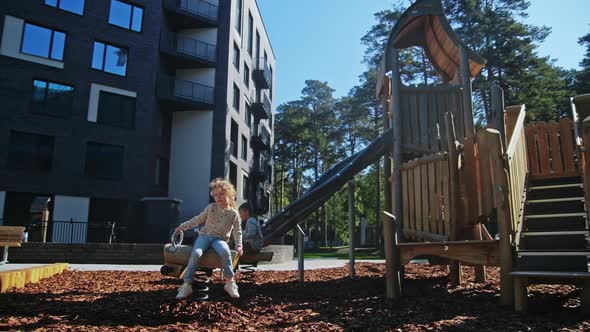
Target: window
x,y
245,186
239,16
233,174
236,59
246,75
109,58
125,15
30,152
116,110
257,44
236,96
52,98
244,148
43,42
248,115
74,6
250,33
234,138
104,161
270,91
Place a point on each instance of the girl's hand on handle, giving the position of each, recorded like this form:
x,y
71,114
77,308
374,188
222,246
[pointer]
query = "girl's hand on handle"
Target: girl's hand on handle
x,y
177,230
240,250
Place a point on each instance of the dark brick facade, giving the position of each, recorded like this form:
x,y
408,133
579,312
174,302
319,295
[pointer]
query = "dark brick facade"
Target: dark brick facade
x,y
147,141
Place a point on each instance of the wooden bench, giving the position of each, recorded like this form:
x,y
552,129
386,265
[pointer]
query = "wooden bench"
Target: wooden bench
x,y
522,278
10,236
250,260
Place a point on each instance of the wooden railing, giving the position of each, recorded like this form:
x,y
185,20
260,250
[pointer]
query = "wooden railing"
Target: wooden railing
x,y
423,117
517,160
426,206
551,149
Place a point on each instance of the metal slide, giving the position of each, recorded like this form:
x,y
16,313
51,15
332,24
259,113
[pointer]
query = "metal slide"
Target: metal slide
x,y
326,186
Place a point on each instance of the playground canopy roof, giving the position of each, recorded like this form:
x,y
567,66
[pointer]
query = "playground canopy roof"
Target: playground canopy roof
x,y
424,24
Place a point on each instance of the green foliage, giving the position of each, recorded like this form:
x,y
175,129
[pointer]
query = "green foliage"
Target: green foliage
x,y
582,78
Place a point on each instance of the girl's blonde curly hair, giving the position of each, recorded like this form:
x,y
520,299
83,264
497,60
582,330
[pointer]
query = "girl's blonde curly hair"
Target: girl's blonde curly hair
x,y
227,188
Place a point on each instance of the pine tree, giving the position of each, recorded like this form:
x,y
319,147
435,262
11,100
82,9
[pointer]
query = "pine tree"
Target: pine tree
x,y
582,79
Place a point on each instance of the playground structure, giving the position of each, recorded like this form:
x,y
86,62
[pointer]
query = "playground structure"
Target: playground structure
x,y
527,181
510,195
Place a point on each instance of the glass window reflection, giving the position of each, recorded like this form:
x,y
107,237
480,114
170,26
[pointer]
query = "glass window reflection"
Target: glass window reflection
x,y
43,42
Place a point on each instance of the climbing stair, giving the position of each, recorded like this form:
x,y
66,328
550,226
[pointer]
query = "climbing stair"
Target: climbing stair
x,y
554,234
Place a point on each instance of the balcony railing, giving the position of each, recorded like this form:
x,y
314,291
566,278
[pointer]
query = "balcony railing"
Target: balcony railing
x,y
196,48
194,91
200,7
261,74
261,141
261,105
192,13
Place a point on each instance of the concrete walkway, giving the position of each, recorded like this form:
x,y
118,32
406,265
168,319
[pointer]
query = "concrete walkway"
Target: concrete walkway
x,y
309,264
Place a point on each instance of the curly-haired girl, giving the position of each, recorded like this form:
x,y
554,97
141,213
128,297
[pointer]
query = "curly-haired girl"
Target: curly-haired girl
x,y
219,219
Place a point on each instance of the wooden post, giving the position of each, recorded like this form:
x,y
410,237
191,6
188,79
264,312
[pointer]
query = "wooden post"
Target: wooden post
x,y
454,193
491,139
520,293
300,254
586,159
394,283
387,158
351,228
467,92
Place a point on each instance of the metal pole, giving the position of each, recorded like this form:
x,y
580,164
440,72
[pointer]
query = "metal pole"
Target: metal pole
x,y
351,227
300,267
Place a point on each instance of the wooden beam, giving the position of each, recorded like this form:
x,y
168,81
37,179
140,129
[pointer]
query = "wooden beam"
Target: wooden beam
x,y
469,252
491,138
454,192
467,92
393,231
586,160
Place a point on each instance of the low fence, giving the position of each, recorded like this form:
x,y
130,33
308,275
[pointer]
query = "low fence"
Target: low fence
x,y
72,231
426,189
551,149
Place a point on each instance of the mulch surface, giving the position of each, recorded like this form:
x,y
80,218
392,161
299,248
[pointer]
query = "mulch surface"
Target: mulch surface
x,y
329,301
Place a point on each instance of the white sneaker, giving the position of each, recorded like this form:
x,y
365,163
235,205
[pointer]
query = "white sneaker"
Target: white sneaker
x,y
185,291
232,289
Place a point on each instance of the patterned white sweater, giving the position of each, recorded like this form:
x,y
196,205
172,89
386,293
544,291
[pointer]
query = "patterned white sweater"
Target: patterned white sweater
x,y
218,222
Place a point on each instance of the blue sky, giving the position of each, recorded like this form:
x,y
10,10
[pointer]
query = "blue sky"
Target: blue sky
x,y
320,39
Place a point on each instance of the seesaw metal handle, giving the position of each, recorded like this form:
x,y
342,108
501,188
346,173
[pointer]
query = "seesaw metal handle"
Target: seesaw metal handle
x,y
176,242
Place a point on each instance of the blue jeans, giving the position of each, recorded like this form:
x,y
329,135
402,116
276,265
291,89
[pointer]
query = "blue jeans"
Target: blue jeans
x,y
203,243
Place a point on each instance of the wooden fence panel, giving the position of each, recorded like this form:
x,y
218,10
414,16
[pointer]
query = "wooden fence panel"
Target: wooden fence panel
x,y
550,148
409,193
418,198
432,198
531,144
543,146
567,145
425,202
423,120
555,148
405,201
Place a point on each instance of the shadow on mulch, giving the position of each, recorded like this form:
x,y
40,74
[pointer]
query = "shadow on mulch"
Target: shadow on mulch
x,y
275,300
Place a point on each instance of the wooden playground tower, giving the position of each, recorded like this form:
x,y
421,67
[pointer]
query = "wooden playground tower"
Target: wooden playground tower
x,y
510,195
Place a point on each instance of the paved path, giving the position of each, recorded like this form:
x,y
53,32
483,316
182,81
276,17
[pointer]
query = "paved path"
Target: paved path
x,y
310,264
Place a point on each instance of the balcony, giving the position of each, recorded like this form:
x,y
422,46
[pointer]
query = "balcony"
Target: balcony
x,y
192,13
261,74
182,95
261,141
186,52
261,106
263,173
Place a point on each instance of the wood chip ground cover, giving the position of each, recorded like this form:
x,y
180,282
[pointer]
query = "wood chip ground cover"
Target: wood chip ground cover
x,y
329,301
